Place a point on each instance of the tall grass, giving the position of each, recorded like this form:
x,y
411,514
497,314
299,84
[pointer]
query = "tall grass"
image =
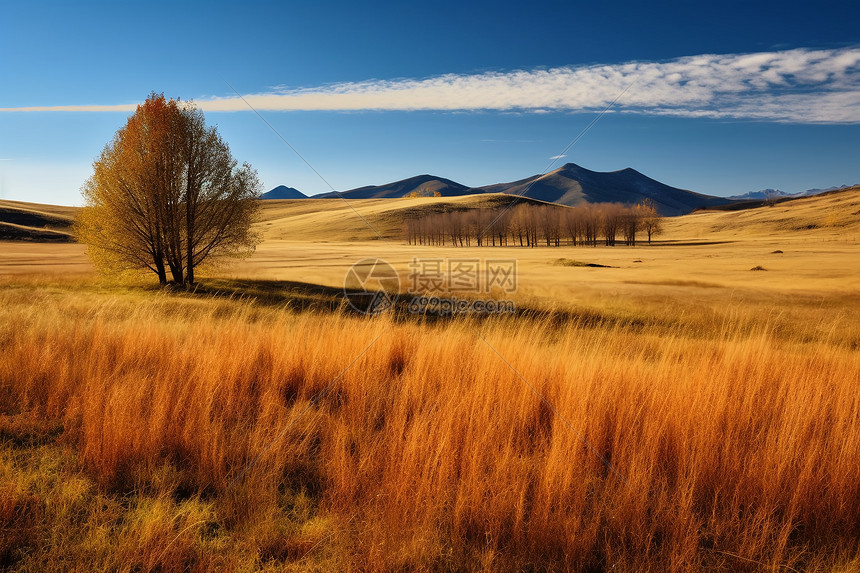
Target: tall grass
x,y
326,440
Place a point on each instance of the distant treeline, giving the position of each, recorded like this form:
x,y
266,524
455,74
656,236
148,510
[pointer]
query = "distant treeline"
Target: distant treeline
x,y
530,225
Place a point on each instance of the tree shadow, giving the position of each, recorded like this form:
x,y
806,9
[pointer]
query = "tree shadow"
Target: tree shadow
x,y
302,297
293,295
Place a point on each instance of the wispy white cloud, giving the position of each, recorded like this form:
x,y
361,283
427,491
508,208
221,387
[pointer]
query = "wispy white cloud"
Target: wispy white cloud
x,y
802,86
558,156
120,108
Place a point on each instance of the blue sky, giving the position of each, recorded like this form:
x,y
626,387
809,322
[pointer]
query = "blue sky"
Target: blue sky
x,y
721,98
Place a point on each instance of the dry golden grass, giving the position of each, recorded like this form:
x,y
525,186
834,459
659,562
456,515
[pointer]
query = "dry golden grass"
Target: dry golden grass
x,y
832,217
337,220
702,256
57,259
53,211
698,416
149,431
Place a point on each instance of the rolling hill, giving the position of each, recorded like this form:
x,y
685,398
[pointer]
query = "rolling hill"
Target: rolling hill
x,y
323,220
35,222
836,213
830,216
316,241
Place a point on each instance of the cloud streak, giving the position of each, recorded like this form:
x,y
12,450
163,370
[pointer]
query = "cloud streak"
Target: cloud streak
x,y
798,86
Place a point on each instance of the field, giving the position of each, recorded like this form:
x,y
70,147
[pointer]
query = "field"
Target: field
x,y
670,410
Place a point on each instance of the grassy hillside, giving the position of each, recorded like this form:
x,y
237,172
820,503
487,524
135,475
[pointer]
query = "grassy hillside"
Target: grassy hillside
x,y
58,211
35,222
830,216
705,256
332,220
698,415
134,437
836,213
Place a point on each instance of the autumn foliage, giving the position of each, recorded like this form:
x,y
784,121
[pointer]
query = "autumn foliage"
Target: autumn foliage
x,y
166,196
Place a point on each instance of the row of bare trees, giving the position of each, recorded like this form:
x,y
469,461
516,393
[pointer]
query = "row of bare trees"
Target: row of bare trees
x,y
531,225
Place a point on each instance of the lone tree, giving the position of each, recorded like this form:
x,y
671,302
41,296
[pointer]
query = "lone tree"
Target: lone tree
x,y
167,195
652,221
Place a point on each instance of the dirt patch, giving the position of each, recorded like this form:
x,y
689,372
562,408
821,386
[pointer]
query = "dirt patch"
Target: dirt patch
x,y
571,263
677,283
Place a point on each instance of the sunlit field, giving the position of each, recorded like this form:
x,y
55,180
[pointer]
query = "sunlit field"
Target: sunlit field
x,y
682,413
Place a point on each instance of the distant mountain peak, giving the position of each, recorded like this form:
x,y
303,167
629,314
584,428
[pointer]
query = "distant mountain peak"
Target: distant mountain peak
x,y
777,194
571,167
420,185
284,192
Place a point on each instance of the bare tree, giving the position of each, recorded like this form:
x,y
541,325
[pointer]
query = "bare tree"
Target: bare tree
x,y
611,218
517,223
652,221
571,220
526,223
630,224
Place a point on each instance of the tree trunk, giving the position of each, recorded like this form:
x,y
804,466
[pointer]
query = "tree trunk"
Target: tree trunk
x,y
176,271
162,274
189,264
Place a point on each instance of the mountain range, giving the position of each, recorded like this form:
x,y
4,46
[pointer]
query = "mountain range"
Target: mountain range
x,y
568,185
777,194
574,185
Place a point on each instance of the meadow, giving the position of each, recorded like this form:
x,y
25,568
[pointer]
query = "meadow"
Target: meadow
x,y
682,413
